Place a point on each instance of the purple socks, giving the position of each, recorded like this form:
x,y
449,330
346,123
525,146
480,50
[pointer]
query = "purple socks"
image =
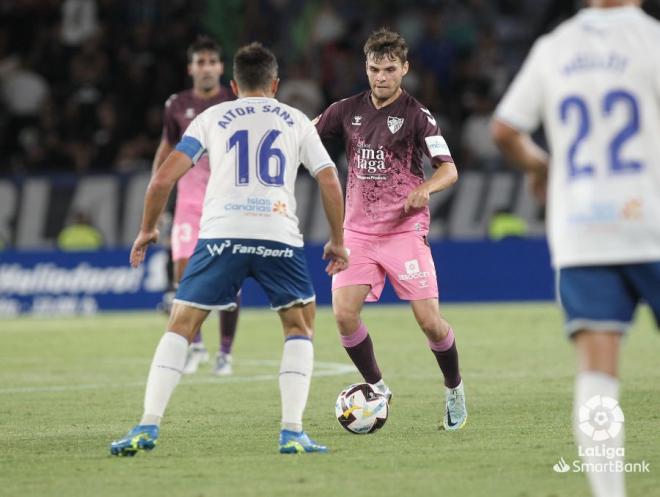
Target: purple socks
x,y
447,356
360,349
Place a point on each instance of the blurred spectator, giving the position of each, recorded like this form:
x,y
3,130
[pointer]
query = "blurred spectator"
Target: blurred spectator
x,y
301,91
80,235
478,146
78,21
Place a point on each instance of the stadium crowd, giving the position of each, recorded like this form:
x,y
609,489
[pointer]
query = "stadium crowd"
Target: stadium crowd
x,y
83,82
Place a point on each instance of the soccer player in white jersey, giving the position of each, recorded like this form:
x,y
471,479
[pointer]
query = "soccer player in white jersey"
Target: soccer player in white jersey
x,y
594,83
249,228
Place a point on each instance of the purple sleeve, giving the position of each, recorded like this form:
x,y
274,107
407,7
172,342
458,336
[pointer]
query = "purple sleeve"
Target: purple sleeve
x,y
329,123
171,130
430,139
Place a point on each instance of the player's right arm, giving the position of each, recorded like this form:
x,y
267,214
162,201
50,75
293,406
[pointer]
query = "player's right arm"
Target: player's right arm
x,y
517,115
158,191
316,159
164,149
186,153
333,205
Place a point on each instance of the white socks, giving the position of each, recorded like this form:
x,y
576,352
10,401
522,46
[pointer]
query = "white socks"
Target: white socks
x,y
588,385
164,375
295,377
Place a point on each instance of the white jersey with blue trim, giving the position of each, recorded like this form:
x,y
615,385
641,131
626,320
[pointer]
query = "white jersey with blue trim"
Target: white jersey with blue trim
x,y
594,84
255,146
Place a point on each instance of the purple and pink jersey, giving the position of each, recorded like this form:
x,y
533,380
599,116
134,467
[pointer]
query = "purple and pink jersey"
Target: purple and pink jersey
x,y
384,149
180,109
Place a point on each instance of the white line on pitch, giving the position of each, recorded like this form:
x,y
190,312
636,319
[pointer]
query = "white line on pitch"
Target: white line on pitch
x,y
321,369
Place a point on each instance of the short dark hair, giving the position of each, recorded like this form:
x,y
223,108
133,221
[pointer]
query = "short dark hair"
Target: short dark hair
x,y
203,43
385,43
254,66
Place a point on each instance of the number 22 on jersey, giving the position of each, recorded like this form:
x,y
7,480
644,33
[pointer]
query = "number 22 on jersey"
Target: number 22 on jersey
x,y
575,106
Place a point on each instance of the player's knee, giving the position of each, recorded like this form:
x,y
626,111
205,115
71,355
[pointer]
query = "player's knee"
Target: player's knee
x,y
347,321
298,330
434,328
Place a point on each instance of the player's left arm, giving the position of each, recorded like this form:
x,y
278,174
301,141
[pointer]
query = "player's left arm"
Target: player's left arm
x,y
158,191
429,138
444,176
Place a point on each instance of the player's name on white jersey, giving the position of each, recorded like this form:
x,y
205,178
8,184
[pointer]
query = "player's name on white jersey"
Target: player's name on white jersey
x,y
246,110
589,61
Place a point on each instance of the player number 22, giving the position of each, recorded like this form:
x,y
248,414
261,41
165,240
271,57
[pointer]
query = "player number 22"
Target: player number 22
x,y
265,154
616,163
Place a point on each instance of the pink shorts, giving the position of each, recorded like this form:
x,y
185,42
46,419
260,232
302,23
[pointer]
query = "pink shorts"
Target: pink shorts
x,y
185,231
404,258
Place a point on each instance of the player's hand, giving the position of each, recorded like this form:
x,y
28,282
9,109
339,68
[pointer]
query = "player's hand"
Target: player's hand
x,y
538,184
140,245
338,256
417,199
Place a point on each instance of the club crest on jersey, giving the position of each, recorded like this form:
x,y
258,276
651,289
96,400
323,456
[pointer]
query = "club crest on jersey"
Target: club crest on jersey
x,y
357,121
394,123
190,113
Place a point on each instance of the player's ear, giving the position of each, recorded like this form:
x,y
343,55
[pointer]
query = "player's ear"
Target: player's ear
x,y
406,66
234,87
222,68
190,69
274,85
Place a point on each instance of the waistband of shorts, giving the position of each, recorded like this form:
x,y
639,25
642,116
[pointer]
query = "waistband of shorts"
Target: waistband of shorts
x,y
382,236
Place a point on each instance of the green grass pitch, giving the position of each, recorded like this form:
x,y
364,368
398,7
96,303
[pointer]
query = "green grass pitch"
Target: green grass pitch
x,y
69,386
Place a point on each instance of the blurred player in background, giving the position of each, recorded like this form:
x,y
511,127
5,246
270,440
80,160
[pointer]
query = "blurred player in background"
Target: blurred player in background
x,y
594,84
205,67
387,132
255,146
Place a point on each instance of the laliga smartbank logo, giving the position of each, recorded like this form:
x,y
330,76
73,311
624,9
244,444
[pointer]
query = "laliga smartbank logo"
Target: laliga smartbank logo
x,y
601,419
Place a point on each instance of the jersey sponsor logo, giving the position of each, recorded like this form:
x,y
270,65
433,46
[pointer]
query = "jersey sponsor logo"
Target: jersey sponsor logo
x,y
279,207
253,206
394,123
413,273
370,163
437,145
412,266
633,209
262,251
217,248
599,213
357,121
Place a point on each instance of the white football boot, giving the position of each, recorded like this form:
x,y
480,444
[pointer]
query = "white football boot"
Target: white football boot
x,y
222,365
455,410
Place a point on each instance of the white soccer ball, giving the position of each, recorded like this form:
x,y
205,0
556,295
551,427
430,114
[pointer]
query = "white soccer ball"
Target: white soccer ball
x,y
360,409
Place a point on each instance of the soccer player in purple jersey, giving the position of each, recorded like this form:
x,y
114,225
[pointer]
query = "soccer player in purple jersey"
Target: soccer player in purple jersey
x,y
205,68
386,133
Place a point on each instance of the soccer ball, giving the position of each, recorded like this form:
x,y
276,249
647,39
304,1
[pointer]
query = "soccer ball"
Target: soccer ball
x,y
360,409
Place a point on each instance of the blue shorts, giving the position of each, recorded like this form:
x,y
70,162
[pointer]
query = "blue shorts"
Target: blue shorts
x,y
218,267
604,298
